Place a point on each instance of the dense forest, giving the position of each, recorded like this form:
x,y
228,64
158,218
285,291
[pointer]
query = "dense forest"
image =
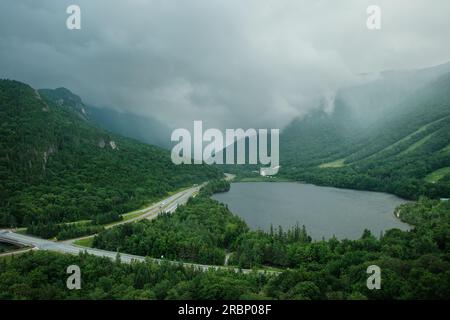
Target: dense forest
x,y
330,268
56,165
414,265
63,231
42,275
201,231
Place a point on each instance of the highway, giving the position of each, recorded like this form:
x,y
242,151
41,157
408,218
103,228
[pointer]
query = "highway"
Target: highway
x,y
167,205
42,244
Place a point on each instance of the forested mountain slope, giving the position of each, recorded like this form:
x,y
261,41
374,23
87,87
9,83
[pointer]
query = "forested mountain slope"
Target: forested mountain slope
x,y
57,165
406,151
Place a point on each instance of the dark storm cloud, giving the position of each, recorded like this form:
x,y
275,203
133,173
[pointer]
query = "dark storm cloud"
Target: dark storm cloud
x,y
230,63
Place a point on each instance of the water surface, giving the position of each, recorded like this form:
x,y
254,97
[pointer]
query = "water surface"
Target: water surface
x,y
324,211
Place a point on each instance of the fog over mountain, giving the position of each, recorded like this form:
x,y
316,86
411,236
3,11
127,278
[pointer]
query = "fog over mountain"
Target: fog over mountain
x,y
229,63
383,94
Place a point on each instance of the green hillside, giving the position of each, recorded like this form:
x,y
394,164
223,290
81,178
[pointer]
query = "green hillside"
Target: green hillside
x,y
57,165
397,153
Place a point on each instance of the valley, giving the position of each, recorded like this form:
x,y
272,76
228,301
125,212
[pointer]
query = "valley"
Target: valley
x,y
82,190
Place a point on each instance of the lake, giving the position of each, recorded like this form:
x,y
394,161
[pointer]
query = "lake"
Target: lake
x,y
325,211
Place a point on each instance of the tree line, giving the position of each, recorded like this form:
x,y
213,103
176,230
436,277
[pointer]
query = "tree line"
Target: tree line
x,y
415,264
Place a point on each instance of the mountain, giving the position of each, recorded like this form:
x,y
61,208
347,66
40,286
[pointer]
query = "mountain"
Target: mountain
x,y
144,129
57,164
403,149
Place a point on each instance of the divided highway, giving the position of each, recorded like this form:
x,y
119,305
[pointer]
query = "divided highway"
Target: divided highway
x,y
168,205
41,244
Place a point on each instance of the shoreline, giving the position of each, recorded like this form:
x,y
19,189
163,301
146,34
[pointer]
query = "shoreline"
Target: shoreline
x,y
395,213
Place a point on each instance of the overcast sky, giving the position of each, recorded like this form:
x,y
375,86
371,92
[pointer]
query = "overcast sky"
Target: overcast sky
x,y
231,63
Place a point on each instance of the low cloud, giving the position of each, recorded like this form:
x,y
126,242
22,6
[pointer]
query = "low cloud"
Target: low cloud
x,y
230,63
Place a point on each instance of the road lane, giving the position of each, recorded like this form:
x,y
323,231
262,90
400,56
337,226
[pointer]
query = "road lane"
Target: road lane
x,y
152,211
167,205
42,244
